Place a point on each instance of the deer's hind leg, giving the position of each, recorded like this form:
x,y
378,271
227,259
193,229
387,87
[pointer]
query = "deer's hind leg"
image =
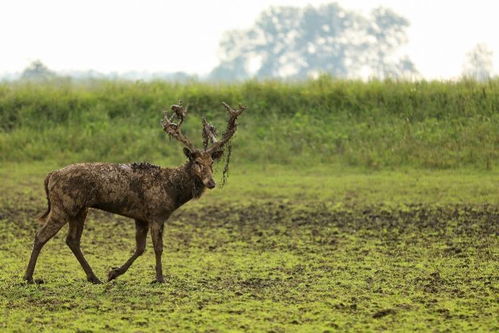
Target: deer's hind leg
x,y
53,224
140,238
73,241
157,241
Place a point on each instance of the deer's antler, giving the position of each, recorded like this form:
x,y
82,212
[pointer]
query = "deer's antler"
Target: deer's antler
x,y
209,134
172,128
229,131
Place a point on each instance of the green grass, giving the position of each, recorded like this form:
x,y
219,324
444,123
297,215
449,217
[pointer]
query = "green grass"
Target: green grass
x,y
277,249
351,206
255,183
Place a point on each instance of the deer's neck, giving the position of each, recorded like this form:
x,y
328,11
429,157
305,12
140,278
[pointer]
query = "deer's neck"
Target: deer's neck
x,y
184,185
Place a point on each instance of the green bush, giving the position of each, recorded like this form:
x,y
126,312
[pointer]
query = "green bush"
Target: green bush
x,y
375,125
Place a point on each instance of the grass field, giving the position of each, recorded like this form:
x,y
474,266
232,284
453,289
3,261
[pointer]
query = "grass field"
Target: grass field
x,y
351,206
275,250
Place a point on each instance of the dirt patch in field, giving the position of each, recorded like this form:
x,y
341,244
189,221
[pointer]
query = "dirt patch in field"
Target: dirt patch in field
x,y
271,218
461,219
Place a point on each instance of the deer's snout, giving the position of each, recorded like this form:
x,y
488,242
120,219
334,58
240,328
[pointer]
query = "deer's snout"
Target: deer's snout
x,y
210,183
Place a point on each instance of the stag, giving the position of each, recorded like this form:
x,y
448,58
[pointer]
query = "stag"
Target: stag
x,y
146,193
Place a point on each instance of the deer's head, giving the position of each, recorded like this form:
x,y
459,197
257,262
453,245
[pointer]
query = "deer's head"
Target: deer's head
x,y
201,160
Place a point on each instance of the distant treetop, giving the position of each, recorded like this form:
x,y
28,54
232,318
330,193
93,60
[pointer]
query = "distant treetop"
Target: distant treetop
x,y
479,63
298,42
37,71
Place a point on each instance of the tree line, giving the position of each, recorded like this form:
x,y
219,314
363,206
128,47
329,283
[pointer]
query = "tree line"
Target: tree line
x,y
306,42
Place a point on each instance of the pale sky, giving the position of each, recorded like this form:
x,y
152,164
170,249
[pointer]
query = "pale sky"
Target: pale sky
x,y
183,35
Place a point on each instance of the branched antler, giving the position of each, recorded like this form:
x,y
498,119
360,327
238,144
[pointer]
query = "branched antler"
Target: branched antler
x,y
172,128
209,133
179,111
230,130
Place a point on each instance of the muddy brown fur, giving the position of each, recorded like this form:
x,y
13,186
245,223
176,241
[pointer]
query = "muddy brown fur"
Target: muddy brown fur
x,y
147,193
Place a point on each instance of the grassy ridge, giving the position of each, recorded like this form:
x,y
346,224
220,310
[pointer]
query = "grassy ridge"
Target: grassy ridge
x,y
375,125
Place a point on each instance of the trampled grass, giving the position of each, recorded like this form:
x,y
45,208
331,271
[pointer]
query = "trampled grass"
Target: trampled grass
x,y
277,250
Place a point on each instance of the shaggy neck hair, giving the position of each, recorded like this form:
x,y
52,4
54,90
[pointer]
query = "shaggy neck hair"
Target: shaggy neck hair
x,y
186,185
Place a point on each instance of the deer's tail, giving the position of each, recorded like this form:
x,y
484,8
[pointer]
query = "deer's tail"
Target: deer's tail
x,y
42,218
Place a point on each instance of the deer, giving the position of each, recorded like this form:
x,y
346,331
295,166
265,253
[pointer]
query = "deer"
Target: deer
x,y
147,193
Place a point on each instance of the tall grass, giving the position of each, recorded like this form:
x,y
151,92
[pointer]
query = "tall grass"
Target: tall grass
x,y
377,125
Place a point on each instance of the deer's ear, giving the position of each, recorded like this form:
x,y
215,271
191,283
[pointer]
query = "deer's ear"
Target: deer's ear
x,y
188,153
217,154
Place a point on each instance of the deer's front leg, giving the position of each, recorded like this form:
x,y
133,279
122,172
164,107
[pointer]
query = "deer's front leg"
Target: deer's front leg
x,y
140,238
157,241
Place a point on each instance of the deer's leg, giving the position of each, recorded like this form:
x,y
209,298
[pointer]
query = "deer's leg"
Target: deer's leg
x,y
157,241
140,238
44,234
73,240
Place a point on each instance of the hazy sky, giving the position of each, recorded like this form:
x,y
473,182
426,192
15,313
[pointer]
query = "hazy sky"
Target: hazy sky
x,y
154,35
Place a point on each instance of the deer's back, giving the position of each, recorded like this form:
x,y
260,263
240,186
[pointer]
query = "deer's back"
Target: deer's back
x,y
133,190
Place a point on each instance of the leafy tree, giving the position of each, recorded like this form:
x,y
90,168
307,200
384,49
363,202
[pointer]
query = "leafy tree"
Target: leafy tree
x,y
385,32
299,42
479,63
37,71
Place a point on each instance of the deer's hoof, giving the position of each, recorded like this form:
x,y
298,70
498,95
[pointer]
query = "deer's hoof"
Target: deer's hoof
x,y
158,280
113,273
36,281
94,280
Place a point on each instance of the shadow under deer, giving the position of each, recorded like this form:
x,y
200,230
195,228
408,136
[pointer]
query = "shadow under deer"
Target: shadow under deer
x,y
147,193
